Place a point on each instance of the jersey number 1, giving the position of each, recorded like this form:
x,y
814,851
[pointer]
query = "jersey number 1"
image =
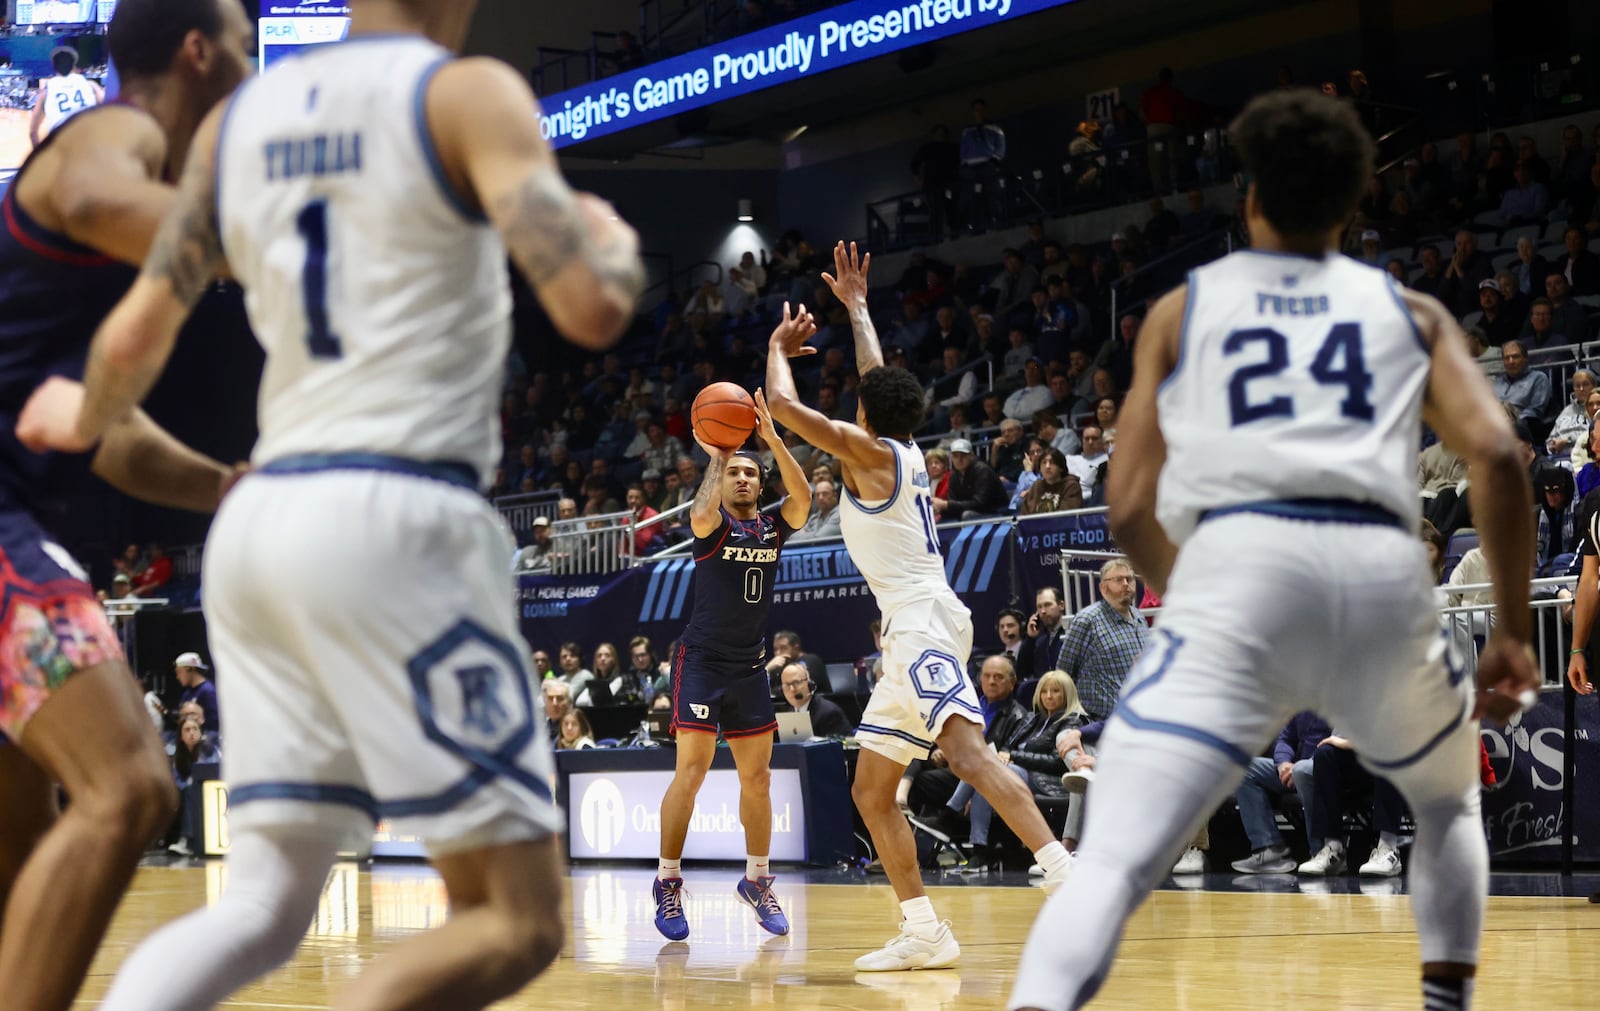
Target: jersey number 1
x,y
313,225
1340,362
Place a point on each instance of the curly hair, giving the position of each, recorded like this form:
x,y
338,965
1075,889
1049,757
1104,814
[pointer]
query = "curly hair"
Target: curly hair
x,y
891,397
1308,156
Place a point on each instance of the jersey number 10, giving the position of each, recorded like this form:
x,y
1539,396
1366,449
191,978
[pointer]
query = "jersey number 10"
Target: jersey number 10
x,y
925,510
313,226
1340,362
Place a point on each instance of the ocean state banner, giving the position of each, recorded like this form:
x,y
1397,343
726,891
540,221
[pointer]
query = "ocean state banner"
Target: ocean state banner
x,y
819,593
1523,813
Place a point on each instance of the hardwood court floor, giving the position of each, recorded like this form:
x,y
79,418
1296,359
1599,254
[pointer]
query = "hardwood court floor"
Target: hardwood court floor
x,y
1184,949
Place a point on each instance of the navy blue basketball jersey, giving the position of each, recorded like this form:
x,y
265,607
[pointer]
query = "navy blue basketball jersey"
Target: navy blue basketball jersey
x,y
53,295
734,570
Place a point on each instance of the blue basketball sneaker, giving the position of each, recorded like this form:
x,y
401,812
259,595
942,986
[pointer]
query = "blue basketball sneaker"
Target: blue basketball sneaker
x,y
758,895
668,893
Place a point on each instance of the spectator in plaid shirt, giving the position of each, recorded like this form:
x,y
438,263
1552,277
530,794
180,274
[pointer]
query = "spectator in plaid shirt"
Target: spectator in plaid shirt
x,y
1104,639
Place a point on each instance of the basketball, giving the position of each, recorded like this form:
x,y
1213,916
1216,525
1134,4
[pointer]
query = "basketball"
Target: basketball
x,y
723,415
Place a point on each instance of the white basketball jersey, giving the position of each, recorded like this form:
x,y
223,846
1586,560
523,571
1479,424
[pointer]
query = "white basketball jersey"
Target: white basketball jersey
x,y
893,542
65,97
1297,378
382,304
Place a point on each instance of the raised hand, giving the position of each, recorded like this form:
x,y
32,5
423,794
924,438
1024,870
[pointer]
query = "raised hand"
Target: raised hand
x,y
717,453
849,278
793,332
764,425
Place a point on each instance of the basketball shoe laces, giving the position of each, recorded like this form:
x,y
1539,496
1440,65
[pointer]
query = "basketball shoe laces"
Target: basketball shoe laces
x,y
767,905
672,901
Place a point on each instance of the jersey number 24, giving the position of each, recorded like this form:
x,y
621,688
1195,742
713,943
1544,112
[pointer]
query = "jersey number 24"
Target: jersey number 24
x,y
1340,363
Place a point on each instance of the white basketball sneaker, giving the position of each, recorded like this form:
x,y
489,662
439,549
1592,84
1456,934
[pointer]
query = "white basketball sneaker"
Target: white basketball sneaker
x,y
1329,860
1384,863
911,951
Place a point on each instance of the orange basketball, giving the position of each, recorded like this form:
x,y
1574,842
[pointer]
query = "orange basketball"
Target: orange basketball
x,y
723,415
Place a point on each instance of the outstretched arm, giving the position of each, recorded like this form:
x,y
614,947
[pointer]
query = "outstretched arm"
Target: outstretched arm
x,y
797,507
848,442
133,344
1142,451
849,284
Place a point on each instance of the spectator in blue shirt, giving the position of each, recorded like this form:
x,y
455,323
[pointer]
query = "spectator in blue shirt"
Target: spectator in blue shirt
x,y
1104,639
197,688
1525,390
1527,201
983,149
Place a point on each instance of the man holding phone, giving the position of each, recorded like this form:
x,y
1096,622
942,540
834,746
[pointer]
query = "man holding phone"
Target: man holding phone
x,y
1046,630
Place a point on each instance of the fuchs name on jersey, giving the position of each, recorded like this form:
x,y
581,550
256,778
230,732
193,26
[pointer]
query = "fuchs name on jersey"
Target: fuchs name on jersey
x,y
1291,305
316,157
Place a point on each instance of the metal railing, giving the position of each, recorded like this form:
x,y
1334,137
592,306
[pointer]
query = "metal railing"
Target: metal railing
x,y
520,511
590,545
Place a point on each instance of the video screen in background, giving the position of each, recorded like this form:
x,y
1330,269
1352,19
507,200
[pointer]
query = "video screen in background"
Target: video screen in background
x,y
38,28
64,12
286,27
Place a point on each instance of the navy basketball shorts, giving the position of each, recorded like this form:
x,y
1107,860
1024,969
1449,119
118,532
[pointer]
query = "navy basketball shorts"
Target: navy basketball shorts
x,y
708,694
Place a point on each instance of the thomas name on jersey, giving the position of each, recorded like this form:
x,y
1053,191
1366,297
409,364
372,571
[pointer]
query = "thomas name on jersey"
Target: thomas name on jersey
x,y
322,155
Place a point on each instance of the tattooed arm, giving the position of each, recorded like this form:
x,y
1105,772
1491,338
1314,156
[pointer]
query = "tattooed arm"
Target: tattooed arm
x,y
580,257
705,515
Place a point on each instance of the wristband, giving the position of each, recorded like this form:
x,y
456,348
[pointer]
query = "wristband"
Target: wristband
x,y
1576,651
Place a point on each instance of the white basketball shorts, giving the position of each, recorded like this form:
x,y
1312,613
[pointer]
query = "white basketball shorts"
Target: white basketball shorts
x,y
368,658
1266,616
924,682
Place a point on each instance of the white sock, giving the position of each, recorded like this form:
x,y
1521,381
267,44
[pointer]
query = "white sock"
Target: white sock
x,y
274,884
667,869
756,868
1052,856
1389,839
920,919
1337,844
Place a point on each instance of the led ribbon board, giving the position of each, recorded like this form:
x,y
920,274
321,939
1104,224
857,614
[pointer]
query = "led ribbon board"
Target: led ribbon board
x,y
285,27
804,47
